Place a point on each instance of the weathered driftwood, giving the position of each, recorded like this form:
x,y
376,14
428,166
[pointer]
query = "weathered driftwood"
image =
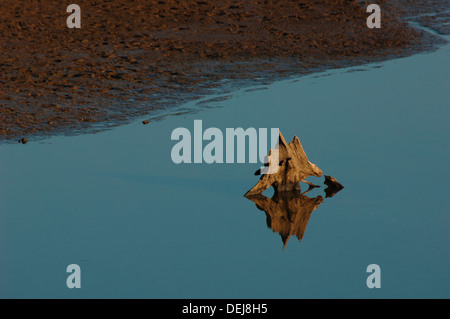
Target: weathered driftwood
x,y
287,213
294,167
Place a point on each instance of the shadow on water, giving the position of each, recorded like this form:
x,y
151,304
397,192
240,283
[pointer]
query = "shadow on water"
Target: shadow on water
x,y
288,213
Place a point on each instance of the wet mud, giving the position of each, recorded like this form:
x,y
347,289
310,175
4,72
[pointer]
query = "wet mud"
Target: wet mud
x,y
136,58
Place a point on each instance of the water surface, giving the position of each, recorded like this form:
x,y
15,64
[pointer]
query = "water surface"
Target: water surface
x,y
141,226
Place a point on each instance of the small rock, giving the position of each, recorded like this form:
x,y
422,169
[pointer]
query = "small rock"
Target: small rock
x,y
23,140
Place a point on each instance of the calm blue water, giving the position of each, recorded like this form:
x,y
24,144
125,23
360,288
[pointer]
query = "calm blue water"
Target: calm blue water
x,y
141,226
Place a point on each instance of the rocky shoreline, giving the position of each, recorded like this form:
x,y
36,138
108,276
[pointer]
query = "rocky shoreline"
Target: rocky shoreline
x,y
134,58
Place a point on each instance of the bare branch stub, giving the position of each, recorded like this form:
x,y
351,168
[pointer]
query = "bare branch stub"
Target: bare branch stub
x,y
333,186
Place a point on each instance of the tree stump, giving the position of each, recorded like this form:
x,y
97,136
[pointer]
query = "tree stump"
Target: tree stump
x,y
293,168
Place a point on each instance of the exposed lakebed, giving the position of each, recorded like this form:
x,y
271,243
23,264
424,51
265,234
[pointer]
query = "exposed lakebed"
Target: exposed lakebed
x,y
135,58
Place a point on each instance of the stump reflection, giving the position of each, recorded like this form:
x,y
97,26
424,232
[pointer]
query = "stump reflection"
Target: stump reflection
x,y
287,213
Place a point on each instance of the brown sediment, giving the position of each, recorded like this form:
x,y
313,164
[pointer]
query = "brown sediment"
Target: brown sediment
x,y
132,58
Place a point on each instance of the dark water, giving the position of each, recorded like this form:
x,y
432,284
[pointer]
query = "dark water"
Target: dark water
x,y
141,226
